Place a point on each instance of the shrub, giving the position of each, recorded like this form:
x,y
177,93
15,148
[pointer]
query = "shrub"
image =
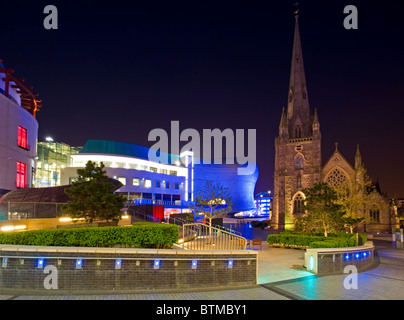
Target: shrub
x,y
139,235
290,239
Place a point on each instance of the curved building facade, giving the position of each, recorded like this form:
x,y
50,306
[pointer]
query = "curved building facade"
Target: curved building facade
x,y
18,132
146,181
240,187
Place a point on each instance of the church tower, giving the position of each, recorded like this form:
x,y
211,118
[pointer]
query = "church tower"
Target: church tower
x,y
298,147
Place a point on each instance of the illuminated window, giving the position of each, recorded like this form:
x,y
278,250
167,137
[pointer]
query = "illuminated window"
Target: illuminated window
x,y
173,172
136,182
122,180
147,183
21,180
152,169
22,137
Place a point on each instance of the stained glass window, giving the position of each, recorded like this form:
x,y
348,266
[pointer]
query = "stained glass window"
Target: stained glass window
x,y
336,178
299,162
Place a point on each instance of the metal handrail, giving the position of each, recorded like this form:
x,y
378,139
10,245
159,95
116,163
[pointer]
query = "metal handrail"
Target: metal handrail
x,y
210,238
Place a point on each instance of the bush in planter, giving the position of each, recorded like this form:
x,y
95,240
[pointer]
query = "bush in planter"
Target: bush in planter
x,y
139,235
289,239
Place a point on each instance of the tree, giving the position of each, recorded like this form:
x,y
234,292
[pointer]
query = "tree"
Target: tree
x,y
213,200
324,213
92,195
357,197
351,223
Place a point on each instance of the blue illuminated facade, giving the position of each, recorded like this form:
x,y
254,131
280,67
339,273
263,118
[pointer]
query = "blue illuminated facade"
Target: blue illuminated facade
x,y
240,187
263,202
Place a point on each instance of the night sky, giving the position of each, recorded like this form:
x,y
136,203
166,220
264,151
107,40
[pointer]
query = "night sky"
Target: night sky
x,y
118,69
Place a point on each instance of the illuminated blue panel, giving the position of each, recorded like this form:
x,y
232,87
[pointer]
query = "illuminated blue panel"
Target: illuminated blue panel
x,y
311,263
118,263
194,264
40,263
241,187
79,263
230,263
157,264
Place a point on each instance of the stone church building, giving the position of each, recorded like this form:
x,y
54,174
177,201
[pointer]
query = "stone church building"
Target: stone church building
x,y
298,159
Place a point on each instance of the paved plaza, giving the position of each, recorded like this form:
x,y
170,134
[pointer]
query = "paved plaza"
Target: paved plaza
x,y
280,277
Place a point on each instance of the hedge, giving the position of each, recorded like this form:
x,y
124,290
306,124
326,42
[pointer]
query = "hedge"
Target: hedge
x,y
289,239
139,235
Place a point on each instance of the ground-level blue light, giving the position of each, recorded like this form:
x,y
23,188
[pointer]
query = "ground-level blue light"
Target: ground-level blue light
x,y
346,257
157,264
357,256
40,262
311,263
365,254
194,264
118,263
230,263
79,263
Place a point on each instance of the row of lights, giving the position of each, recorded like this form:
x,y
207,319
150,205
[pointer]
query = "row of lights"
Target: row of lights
x,y
357,255
118,263
13,228
347,257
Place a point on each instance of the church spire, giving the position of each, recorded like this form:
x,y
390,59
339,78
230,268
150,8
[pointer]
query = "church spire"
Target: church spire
x,y
298,103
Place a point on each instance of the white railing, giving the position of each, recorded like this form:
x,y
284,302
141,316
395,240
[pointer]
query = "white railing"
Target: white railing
x,y
198,236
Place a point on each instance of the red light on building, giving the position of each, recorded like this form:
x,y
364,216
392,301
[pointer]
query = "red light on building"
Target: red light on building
x,y
21,180
22,137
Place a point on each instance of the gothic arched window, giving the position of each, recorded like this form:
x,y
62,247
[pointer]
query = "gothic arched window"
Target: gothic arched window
x,y
299,162
336,178
374,215
298,204
298,132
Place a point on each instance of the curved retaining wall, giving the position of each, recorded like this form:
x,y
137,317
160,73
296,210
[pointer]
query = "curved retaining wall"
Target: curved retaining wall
x,y
334,260
86,269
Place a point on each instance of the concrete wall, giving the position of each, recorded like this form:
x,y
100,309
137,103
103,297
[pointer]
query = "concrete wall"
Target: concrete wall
x,y
137,270
334,260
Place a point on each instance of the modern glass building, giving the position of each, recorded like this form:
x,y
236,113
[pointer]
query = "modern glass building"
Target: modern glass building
x,y
52,157
144,181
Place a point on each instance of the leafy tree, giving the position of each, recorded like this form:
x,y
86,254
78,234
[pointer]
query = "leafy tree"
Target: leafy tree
x,y
324,213
213,200
351,223
92,195
357,197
